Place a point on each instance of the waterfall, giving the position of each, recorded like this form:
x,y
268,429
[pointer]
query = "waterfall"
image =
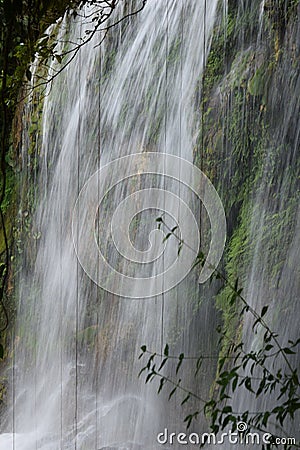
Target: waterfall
x,y
74,383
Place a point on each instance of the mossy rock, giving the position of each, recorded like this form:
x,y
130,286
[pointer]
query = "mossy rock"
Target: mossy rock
x,y
240,70
258,84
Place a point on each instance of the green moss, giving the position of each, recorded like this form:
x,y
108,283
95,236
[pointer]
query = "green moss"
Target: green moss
x,y
257,85
238,256
221,48
240,156
9,207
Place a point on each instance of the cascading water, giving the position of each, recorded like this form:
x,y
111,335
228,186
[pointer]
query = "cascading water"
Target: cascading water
x,y
260,147
75,372
74,379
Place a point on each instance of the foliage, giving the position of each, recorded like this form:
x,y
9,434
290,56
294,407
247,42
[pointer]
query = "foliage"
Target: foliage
x,y
265,371
241,148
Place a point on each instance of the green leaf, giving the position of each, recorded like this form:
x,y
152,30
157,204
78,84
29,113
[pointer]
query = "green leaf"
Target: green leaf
x,y
228,419
167,237
261,387
166,350
162,364
150,361
288,351
227,410
181,357
234,384
198,365
267,336
172,392
180,245
199,260
266,418
185,400
143,348
141,371
255,323
236,284
161,384
296,343
248,384
190,417
149,376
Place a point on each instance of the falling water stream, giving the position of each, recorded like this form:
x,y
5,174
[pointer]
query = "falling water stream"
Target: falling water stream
x,y
74,382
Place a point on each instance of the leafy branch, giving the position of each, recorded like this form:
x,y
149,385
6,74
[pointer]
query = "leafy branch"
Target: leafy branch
x,y
237,369
102,14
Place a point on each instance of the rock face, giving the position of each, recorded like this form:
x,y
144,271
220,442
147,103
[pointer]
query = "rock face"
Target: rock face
x,y
251,152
